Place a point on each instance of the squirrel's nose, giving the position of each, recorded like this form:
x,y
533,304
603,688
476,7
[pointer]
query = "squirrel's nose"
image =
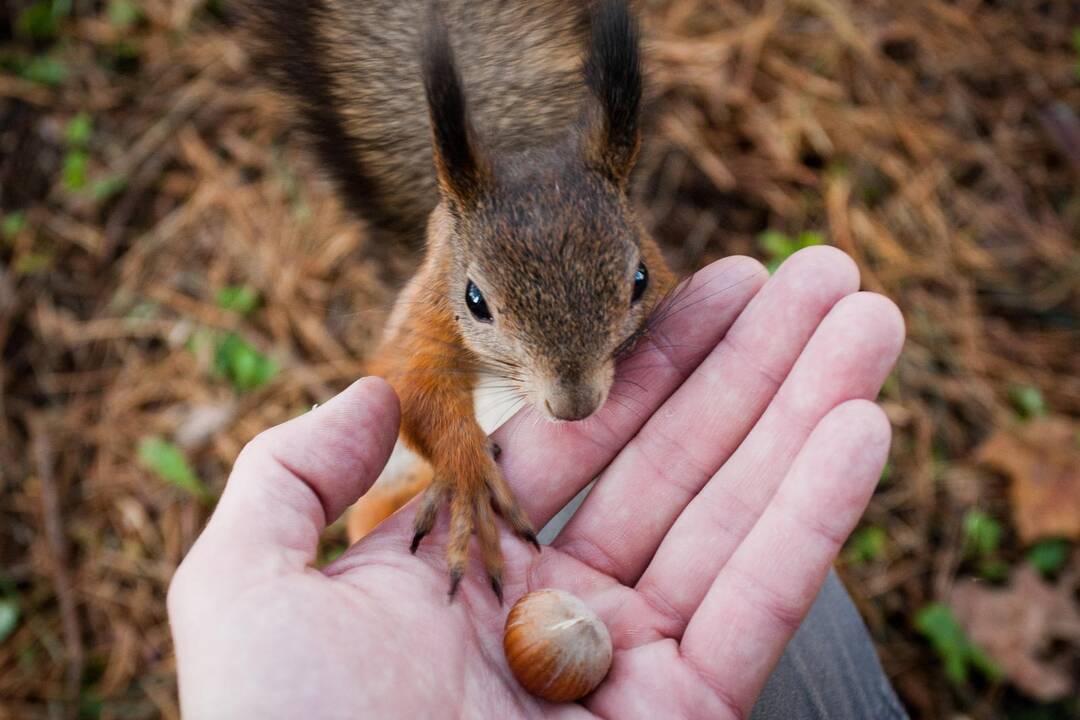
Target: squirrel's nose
x,y
573,403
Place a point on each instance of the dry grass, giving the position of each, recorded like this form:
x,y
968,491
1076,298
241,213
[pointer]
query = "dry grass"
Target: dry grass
x,y
935,141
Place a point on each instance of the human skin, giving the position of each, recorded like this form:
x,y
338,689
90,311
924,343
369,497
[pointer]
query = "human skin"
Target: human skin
x,y
737,452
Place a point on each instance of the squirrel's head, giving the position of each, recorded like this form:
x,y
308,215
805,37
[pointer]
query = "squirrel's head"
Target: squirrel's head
x,y
551,270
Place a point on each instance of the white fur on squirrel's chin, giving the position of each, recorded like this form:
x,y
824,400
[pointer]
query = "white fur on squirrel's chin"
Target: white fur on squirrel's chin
x,y
493,403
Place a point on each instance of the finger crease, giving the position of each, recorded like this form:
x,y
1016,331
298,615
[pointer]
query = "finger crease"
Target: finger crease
x,y
719,503
697,468
668,613
795,418
319,499
590,553
834,538
775,378
714,684
776,606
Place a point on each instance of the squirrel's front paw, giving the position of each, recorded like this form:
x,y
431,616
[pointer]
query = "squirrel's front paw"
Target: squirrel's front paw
x,y
472,508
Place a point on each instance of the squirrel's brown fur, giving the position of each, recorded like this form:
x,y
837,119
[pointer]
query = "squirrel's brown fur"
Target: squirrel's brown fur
x,y
518,167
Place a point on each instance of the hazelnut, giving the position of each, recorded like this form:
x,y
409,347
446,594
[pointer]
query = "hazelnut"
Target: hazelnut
x,y
557,648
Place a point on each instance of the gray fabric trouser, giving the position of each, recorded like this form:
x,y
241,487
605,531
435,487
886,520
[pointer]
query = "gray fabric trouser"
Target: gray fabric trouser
x,y
829,670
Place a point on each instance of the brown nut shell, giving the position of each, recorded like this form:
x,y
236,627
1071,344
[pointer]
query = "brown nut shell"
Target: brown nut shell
x,y
557,648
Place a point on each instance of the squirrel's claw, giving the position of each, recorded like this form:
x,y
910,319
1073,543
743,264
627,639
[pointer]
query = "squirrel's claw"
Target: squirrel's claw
x,y
416,538
455,579
507,506
474,502
530,537
426,514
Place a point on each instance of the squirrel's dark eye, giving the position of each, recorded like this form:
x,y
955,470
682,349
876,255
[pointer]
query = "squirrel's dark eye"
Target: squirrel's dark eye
x,y
641,281
476,302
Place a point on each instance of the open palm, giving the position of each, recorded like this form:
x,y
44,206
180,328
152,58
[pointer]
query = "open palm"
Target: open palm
x,y
736,453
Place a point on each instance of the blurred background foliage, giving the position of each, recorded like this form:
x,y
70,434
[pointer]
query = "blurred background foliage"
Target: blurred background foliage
x,y
175,276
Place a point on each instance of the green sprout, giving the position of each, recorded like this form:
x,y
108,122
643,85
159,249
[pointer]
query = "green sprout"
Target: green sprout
x,y
9,617
42,19
242,364
168,462
937,624
982,539
12,225
43,70
240,299
1049,556
982,533
123,13
1028,401
779,247
866,545
76,163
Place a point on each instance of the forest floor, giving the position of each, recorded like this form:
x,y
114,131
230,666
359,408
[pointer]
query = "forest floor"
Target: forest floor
x,y
175,276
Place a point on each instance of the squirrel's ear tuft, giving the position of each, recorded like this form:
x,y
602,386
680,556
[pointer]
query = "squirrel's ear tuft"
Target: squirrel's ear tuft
x,y
462,170
613,74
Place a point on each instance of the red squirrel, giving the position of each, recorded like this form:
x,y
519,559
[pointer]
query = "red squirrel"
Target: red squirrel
x,y
504,133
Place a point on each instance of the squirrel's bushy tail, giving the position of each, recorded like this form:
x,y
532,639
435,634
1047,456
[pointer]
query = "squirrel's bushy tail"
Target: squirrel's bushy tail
x,y
355,71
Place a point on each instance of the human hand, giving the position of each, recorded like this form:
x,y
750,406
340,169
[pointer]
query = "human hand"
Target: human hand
x,y
736,453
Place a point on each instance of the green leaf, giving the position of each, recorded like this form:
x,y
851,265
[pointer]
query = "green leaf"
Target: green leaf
x,y
1049,556
200,340
241,299
32,262
937,624
124,13
75,165
993,570
79,130
9,618
1028,401
90,705
12,225
105,188
891,387
775,243
41,20
982,533
779,247
45,70
886,473
867,545
168,461
37,21
244,366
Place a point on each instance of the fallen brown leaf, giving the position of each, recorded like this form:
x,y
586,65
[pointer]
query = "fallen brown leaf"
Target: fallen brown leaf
x,y
1016,625
1042,461
203,421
